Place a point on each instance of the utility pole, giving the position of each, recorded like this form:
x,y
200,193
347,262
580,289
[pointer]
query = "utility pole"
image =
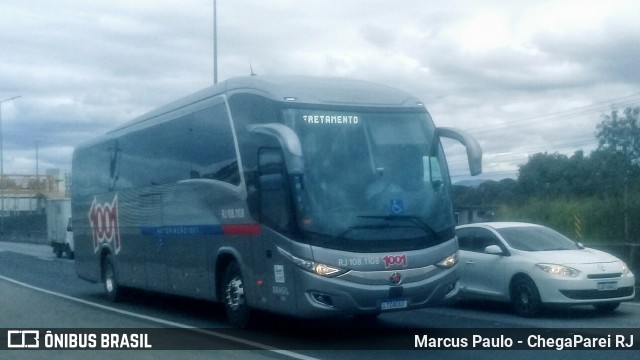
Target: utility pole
x,y
215,43
37,169
2,184
625,202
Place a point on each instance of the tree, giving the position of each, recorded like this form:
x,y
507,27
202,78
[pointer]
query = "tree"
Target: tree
x,y
603,188
621,134
544,175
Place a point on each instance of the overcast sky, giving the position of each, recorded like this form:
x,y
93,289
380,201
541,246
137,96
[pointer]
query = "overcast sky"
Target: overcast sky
x,y
521,76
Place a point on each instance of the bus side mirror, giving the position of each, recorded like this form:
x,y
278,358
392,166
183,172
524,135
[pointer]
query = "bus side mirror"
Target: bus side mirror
x,y
275,207
291,150
271,169
474,151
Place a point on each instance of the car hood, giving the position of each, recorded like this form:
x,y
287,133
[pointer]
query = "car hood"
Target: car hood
x,y
572,257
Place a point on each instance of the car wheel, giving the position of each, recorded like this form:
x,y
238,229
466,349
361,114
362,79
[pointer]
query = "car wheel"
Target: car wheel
x,y
68,251
525,297
235,304
367,317
111,287
606,307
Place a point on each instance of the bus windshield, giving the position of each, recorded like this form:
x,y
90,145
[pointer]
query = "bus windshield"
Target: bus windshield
x,y
373,181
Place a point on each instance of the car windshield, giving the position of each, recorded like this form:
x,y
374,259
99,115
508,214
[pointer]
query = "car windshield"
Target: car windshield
x,y
371,177
536,238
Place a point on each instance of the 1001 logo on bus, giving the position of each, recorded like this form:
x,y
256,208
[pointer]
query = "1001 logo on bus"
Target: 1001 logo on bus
x,y
391,260
104,223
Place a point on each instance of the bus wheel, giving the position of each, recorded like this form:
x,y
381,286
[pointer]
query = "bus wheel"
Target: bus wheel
x,y
235,304
111,287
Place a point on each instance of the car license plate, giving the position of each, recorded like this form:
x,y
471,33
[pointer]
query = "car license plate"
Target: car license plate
x,y
607,286
393,304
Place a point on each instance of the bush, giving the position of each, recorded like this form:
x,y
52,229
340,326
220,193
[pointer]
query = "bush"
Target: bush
x,y
590,220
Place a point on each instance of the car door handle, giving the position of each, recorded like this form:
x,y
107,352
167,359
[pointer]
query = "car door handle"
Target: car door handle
x,y
470,262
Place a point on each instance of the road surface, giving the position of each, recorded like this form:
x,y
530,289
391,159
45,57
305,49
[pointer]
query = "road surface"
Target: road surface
x,y
40,291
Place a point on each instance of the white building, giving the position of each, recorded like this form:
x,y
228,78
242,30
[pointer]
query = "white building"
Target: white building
x,y
27,194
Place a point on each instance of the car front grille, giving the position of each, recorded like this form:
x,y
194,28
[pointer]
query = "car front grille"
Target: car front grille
x,y
604,276
596,294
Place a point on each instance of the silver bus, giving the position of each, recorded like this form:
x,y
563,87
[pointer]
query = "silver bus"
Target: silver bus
x,y
305,196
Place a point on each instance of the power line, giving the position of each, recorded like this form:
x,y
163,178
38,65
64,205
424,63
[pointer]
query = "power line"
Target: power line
x,y
460,158
509,157
625,101
460,161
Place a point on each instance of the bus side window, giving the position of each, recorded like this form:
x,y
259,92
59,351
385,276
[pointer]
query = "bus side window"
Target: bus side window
x,y
274,200
432,172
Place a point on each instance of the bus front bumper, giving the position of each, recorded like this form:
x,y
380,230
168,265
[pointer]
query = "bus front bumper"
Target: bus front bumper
x,y
351,295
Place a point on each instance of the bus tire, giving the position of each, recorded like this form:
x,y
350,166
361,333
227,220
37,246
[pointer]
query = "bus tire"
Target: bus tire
x,y
234,297
109,276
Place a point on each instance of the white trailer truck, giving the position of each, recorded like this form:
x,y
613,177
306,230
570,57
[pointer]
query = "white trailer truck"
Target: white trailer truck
x,y
59,227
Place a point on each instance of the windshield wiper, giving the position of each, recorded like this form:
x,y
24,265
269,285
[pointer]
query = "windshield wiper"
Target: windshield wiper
x,y
415,220
341,234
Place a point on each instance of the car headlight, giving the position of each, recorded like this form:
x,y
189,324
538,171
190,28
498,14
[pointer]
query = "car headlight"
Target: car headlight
x,y
448,262
559,270
313,267
625,268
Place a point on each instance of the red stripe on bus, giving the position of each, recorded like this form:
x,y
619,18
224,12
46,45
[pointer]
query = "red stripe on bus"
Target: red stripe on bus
x,y
241,229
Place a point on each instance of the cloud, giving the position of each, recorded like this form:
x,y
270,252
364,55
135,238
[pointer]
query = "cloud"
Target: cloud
x,y
83,67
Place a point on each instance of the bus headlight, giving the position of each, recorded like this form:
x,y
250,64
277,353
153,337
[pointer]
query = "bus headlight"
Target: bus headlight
x,y
313,267
326,270
448,262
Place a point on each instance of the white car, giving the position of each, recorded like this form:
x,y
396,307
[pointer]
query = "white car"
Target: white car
x,y
531,266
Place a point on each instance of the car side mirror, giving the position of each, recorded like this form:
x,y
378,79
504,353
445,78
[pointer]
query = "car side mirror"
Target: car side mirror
x,y
493,250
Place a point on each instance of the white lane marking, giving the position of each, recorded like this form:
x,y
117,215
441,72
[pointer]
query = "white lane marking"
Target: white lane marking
x,y
257,345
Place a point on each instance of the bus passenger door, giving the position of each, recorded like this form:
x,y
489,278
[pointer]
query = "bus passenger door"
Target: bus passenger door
x,y
276,215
